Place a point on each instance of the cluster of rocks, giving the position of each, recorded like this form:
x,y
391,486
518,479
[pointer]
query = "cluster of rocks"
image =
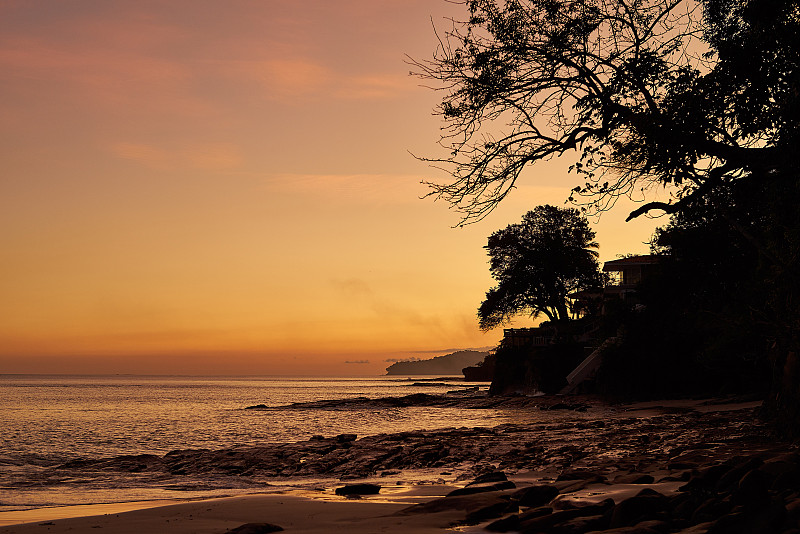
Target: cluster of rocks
x,y
666,442
733,478
468,398
742,495
255,528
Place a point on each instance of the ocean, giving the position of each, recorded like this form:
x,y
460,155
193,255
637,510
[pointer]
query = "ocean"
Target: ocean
x,y
46,421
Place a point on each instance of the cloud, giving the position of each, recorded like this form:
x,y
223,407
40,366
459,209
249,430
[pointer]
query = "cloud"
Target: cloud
x,y
298,79
377,86
291,77
356,361
208,157
374,189
113,77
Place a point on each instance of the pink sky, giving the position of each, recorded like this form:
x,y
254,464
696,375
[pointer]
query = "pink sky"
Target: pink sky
x,y
206,187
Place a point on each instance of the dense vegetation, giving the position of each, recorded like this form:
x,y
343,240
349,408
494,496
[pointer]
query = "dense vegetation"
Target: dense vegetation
x,y
699,97
539,262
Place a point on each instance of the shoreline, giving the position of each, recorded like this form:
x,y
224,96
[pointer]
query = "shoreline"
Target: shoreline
x,y
662,447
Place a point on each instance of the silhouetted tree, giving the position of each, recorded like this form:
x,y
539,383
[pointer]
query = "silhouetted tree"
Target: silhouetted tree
x,y
537,263
696,95
702,96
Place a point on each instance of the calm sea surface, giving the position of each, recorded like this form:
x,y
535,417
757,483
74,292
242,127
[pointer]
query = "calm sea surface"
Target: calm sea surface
x,y
47,420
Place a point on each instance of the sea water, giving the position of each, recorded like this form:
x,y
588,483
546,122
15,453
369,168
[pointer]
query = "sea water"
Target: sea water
x,y
48,420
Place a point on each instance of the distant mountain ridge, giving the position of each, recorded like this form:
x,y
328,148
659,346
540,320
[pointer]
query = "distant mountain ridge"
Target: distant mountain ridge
x,y
449,364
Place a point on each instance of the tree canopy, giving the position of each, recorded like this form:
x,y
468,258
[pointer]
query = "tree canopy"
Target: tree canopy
x,y
537,263
695,95
699,96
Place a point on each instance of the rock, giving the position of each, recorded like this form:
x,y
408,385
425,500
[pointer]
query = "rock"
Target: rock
x,y
785,475
256,407
793,508
548,523
533,513
535,495
766,519
753,490
507,524
345,438
468,503
730,480
638,508
494,476
545,523
711,509
255,528
358,489
490,512
706,479
483,488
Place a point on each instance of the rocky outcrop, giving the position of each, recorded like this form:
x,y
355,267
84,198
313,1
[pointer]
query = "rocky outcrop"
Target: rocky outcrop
x,y
534,369
482,372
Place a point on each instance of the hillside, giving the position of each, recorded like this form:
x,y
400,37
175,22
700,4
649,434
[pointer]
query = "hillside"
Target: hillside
x,y
449,364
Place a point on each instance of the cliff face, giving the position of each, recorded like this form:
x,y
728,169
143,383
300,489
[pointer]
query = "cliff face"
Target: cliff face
x,y
528,369
449,364
483,372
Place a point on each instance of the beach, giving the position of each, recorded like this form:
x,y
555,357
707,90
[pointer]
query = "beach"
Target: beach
x,y
672,466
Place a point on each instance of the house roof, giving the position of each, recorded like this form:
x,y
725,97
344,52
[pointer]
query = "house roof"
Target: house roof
x,y
630,261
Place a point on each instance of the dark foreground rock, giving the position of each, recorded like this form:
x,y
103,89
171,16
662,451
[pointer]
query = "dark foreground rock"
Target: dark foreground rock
x,y
759,501
472,489
358,489
477,508
255,528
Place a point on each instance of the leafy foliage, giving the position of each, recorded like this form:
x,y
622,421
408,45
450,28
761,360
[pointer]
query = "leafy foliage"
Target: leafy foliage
x,y
537,263
669,92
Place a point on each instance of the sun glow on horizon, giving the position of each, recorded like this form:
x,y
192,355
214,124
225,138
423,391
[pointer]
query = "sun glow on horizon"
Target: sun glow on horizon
x,y
228,189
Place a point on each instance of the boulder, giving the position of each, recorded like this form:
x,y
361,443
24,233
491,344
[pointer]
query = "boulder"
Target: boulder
x,y
535,495
490,511
255,528
358,489
468,503
482,488
494,476
638,508
507,524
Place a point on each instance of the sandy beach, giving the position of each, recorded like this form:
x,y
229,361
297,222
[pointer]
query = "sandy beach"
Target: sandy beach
x,y
292,512
677,466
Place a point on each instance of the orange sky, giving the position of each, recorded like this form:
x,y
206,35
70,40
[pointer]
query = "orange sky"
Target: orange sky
x,y
204,187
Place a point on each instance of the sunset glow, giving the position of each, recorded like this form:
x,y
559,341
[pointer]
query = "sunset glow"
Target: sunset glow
x,y
228,188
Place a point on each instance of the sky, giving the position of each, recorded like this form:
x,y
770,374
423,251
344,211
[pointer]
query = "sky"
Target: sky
x,y
198,187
